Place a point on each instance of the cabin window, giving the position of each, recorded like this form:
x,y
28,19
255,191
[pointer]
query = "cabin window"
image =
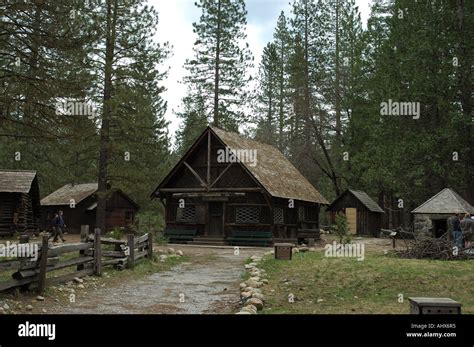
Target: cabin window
x,y
278,215
247,215
186,214
301,213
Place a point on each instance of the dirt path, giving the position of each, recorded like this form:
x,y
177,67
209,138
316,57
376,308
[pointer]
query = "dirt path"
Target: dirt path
x,y
208,283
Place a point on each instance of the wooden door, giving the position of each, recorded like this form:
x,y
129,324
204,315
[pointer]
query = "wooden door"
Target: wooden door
x,y
215,219
351,215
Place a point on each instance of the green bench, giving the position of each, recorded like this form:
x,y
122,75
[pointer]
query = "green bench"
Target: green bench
x,y
250,238
180,235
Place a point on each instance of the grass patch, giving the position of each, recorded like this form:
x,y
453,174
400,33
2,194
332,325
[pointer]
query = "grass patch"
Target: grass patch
x,y
346,285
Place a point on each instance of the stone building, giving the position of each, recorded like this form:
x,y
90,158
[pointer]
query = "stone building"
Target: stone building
x,y
432,216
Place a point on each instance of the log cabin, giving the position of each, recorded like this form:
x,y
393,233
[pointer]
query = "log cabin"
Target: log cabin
x,y
227,189
19,202
79,202
364,215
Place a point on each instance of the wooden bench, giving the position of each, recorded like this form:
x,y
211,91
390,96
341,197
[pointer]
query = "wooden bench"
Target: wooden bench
x,y
253,238
180,235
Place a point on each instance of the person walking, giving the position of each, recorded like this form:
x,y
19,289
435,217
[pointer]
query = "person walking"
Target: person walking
x,y
53,226
457,232
59,226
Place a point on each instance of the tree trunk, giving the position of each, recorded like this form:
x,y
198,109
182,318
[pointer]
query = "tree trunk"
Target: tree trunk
x,y
337,81
217,66
107,111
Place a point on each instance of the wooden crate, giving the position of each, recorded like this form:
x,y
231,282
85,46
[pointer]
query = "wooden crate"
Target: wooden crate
x,y
283,251
434,306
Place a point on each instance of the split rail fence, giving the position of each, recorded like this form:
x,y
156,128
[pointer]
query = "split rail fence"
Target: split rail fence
x,y
85,258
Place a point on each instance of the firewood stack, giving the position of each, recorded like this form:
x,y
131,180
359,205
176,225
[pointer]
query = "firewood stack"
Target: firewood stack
x,y
426,247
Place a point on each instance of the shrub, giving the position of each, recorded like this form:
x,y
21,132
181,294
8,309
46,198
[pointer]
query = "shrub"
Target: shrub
x,y
149,222
340,228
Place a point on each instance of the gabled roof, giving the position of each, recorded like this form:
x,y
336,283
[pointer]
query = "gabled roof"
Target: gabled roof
x,y
16,181
363,197
77,192
65,194
272,171
446,201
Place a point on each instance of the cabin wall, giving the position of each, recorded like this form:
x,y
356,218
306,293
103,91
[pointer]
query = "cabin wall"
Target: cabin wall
x,y
368,223
249,205
18,212
119,213
225,213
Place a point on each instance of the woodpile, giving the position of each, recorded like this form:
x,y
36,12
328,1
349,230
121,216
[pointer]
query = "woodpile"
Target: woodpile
x,y
426,247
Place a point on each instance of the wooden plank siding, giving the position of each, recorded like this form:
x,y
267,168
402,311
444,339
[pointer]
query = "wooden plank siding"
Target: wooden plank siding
x,y
120,212
218,191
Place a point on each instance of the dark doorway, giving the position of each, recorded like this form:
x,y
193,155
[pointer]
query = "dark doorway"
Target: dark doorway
x,y
440,227
215,219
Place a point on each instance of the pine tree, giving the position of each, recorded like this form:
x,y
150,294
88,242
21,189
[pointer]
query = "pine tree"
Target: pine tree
x,y
281,39
44,54
131,132
267,95
221,59
194,118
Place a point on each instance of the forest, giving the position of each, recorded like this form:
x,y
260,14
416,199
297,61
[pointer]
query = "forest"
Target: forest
x,y
384,107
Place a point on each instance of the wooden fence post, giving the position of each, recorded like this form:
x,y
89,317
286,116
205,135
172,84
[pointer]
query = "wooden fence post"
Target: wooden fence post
x,y
43,264
150,245
84,235
97,253
131,250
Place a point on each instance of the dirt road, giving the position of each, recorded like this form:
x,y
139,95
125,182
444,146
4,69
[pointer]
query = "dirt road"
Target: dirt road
x,y
208,283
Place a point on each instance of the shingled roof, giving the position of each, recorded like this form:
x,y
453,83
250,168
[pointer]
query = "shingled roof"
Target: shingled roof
x,y
16,181
446,201
63,195
363,197
273,171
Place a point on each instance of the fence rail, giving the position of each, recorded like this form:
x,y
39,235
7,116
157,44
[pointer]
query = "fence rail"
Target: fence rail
x,y
92,254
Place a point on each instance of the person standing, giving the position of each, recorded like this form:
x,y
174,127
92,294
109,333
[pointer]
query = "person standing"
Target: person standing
x,y
467,225
59,226
457,232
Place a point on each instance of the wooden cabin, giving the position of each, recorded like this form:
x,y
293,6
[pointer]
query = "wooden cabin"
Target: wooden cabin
x,y
432,217
79,202
227,189
19,202
364,215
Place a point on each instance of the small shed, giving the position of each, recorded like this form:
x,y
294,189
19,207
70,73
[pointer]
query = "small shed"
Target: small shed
x,y
19,202
432,216
364,215
228,187
79,203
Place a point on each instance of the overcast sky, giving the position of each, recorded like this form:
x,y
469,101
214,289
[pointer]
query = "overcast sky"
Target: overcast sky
x,y
176,18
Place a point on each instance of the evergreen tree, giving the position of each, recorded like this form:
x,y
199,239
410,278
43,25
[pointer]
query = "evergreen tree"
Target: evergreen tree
x,y
221,59
267,95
